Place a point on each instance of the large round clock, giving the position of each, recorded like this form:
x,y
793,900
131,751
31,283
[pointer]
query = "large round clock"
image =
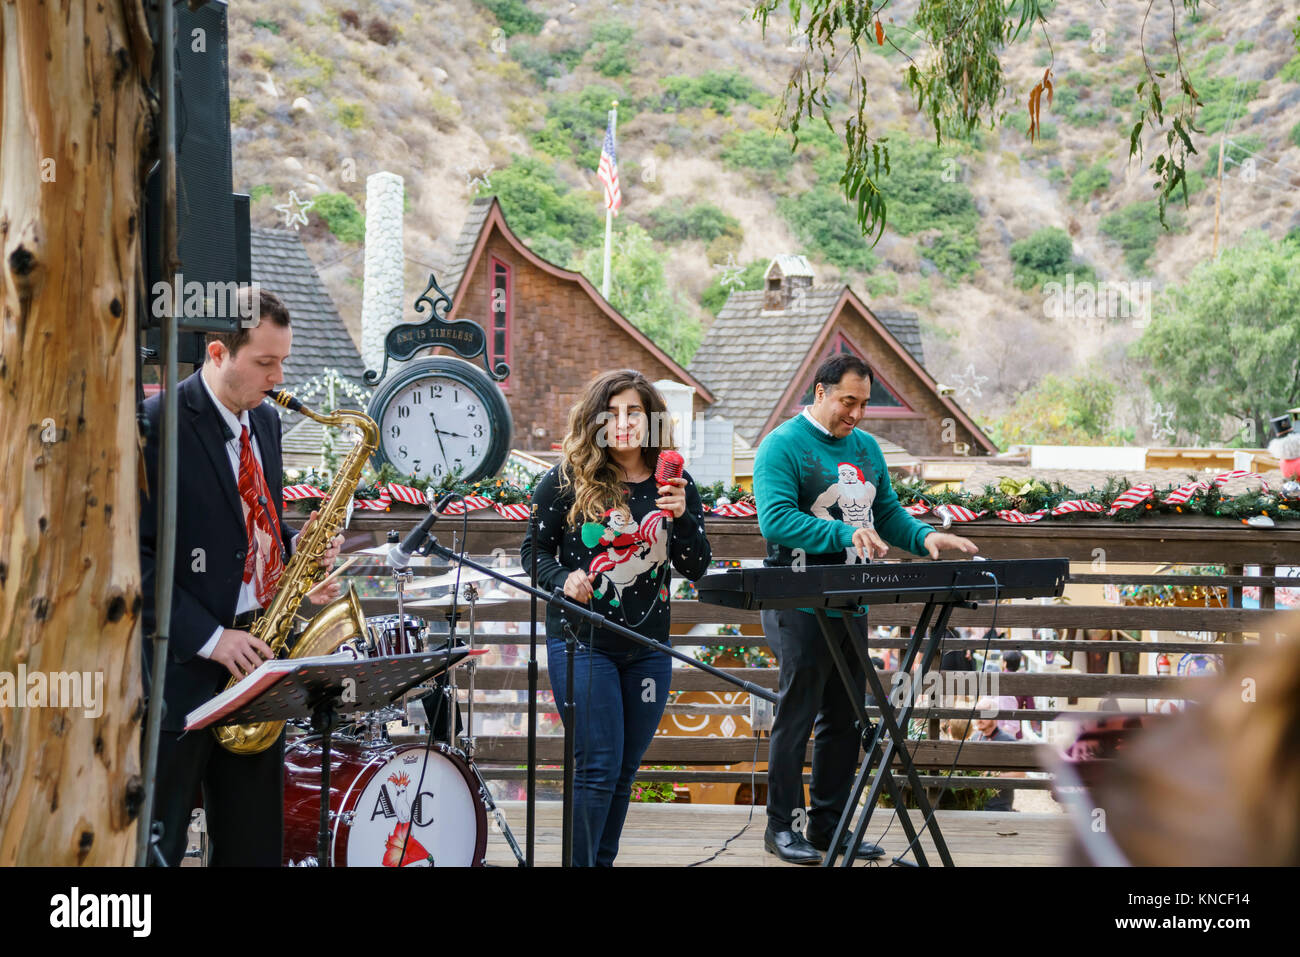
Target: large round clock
x,y
441,415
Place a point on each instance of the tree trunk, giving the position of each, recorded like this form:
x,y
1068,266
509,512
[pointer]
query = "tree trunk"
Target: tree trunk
x,y
73,126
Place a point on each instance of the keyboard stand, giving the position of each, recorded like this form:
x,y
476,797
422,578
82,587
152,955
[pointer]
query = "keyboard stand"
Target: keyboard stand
x,y
889,738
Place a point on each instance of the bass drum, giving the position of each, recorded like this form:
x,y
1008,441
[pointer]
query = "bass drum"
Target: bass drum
x,y
377,817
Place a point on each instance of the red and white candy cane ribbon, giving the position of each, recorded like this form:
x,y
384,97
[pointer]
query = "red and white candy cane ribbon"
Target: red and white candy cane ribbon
x,y
736,510
1077,505
1019,517
958,513
1132,498
293,493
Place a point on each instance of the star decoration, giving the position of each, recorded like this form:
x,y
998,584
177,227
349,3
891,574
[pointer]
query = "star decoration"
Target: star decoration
x,y
968,381
295,211
1160,422
731,272
473,178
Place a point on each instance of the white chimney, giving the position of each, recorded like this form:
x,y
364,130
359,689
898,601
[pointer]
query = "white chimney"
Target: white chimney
x,y
382,294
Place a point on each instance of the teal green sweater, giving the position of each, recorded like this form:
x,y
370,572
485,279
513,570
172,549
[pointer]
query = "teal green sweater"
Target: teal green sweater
x,y
813,491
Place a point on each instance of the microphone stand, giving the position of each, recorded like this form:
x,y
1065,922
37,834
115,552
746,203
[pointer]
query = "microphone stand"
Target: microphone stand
x,y
596,620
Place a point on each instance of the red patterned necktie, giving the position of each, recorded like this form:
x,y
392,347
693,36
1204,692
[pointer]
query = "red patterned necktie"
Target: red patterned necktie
x,y
263,563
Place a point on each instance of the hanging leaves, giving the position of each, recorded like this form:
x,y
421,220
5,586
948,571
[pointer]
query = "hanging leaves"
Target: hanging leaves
x,y
957,84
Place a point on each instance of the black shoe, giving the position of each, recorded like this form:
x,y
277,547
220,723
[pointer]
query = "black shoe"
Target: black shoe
x,y
866,850
790,847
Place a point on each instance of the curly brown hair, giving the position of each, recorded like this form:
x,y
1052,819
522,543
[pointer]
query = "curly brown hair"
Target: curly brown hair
x,y
587,465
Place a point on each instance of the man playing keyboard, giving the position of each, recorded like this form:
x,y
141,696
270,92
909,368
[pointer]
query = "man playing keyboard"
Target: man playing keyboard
x,y
824,497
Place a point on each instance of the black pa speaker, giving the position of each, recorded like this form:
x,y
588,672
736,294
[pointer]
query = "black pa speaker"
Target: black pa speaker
x,y
212,224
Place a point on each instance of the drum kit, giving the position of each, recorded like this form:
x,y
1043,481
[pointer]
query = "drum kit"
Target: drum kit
x,y
399,797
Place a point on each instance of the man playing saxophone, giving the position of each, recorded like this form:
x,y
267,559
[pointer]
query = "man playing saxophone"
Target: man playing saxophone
x,y
231,547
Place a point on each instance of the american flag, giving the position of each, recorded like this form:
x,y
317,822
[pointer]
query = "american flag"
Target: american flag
x,y
607,172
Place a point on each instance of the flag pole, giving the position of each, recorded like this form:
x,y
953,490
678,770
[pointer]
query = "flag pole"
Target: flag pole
x,y
609,214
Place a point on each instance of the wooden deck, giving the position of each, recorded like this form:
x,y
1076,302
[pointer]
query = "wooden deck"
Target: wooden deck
x,y
667,835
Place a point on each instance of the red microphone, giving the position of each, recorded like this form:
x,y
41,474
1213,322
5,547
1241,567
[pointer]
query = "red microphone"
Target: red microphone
x,y
668,467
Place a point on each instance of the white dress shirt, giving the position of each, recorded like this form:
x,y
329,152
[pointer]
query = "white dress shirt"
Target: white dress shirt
x,y
247,592
807,413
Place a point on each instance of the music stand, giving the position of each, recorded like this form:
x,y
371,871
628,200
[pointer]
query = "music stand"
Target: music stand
x,y
316,690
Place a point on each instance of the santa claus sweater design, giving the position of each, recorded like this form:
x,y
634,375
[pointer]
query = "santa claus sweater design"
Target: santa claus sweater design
x,y
630,555
813,491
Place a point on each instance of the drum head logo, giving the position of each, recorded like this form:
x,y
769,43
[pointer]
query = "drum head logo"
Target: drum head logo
x,y
397,827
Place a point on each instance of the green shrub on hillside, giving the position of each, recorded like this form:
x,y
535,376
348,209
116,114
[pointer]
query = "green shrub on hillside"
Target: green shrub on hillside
x,y
925,189
1222,97
758,150
1243,46
1060,411
342,217
674,221
612,48
1078,30
351,116
954,254
827,227
544,64
715,89
1291,72
881,284
1137,227
575,124
1086,182
1295,135
1239,148
1046,255
537,203
514,16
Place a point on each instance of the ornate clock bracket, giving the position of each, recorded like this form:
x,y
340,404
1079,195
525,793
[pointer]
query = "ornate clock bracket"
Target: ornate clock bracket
x,y
463,336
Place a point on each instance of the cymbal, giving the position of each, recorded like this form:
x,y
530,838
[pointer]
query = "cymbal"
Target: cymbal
x,y
445,602
467,575
420,561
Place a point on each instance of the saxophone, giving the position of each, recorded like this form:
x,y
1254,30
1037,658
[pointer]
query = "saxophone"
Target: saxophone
x,y
338,621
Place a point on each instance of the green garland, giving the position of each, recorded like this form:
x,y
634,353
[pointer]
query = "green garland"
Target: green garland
x,y
1033,495
1026,496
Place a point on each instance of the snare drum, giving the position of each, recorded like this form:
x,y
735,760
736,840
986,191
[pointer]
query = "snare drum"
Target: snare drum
x,y
390,639
404,804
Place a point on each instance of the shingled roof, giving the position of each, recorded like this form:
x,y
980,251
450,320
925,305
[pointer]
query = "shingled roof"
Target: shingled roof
x,y
320,340
465,243
748,351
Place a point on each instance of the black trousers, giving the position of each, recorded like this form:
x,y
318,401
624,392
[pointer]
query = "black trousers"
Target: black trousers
x,y
812,699
243,799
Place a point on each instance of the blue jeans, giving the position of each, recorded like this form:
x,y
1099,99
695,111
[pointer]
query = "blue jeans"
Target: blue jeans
x,y
618,700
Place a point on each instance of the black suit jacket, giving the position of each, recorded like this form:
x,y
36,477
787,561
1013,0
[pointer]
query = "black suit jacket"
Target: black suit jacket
x,y
210,539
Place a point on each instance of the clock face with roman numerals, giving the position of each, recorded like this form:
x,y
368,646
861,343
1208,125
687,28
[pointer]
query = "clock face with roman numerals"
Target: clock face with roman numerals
x,y
440,416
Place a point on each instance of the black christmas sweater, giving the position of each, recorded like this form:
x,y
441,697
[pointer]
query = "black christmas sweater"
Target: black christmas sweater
x,y
627,552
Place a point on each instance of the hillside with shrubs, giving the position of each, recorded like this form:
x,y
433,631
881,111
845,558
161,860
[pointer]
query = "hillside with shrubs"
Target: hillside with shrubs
x,y
505,96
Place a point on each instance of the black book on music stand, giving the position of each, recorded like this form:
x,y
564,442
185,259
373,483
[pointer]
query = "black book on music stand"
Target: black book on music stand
x,y
318,688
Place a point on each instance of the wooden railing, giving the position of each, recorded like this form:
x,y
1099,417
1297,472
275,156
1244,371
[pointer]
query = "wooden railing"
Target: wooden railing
x,y
1096,546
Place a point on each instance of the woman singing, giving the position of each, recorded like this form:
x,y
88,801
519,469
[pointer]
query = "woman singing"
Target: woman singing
x,y
607,533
